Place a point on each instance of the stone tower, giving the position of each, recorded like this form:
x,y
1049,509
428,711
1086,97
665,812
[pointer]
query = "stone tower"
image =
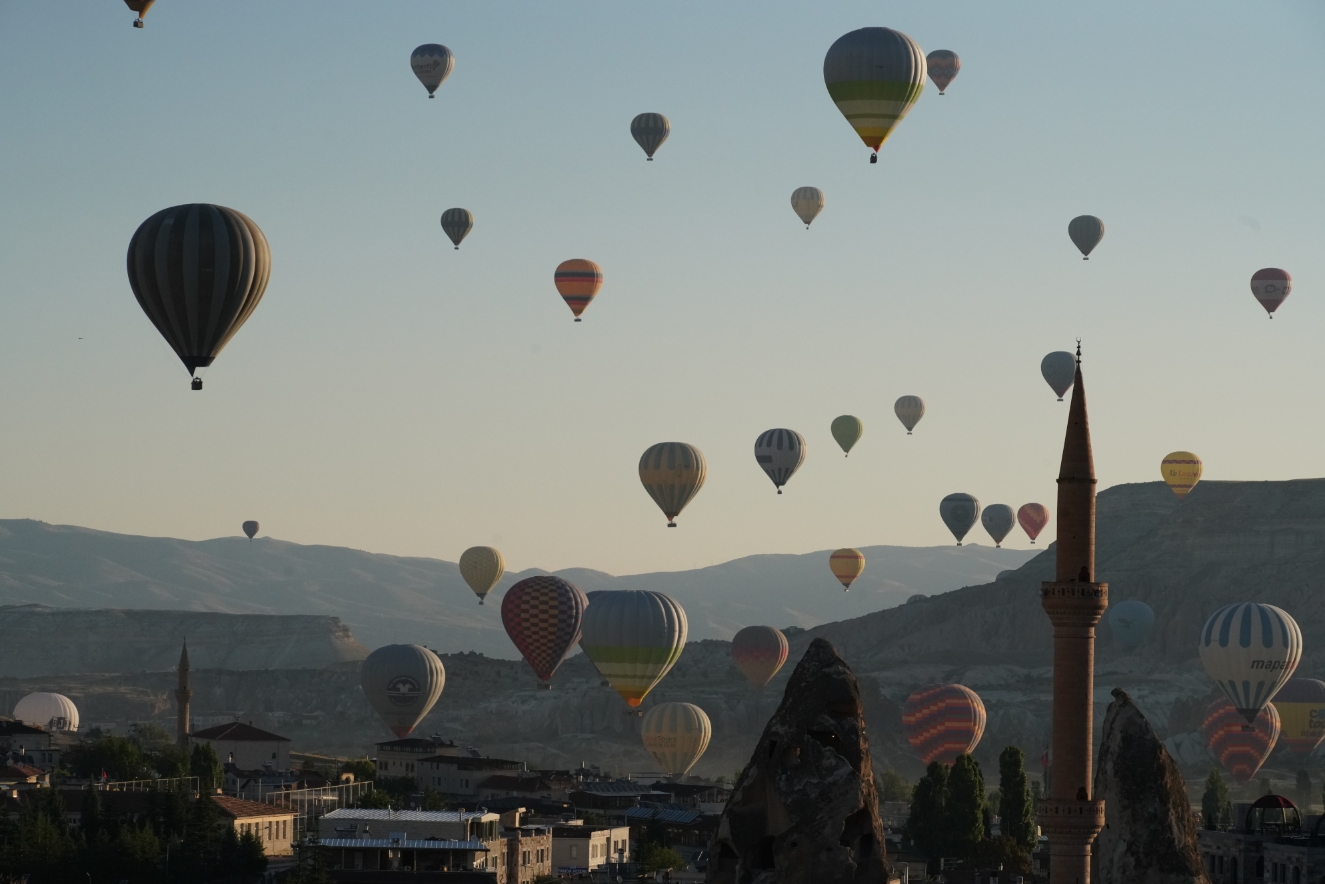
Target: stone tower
x,y
1074,602
182,697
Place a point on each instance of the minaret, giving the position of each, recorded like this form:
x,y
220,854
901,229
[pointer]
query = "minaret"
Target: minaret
x,y
1074,603
182,697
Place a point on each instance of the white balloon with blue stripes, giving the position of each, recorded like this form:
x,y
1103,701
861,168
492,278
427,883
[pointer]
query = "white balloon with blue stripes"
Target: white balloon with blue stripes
x,y
1250,650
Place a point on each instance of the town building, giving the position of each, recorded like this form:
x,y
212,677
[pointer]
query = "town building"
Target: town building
x,y
256,785
528,852
26,744
409,840
16,774
273,826
460,775
401,758
246,747
1270,841
530,788
578,849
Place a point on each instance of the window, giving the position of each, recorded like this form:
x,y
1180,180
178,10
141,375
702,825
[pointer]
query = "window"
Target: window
x,y
574,852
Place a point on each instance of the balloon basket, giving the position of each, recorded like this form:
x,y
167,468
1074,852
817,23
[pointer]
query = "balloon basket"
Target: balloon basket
x,y
577,319
874,158
197,384
430,95
138,23
671,524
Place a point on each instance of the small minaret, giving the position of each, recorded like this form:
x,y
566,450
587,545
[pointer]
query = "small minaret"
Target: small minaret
x,y
1074,603
182,697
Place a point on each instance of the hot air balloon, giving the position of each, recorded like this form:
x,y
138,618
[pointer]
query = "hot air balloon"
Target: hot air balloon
x,y
432,63
198,272
1181,470
959,512
1250,650
942,721
807,203
780,454
1033,517
456,224
943,65
676,735
1301,707
909,410
578,280
1240,750
1059,369
1271,287
634,637
482,567
140,7
847,430
759,652
846,564
1131,622
402,682
999,520
1086,232
51,712
874,75
672,473
543,615
649,132
250,528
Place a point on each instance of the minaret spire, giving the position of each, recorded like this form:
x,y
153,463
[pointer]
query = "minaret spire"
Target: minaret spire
x,y
1074,603
182,696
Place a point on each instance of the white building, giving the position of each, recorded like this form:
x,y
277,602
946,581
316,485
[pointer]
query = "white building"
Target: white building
x,y
245,746
578,849
356,830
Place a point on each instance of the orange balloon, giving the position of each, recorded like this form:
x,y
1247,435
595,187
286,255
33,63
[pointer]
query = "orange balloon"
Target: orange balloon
x,y
846,565
578,280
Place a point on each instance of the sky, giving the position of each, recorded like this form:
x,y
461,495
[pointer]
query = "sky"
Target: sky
x,y
395,395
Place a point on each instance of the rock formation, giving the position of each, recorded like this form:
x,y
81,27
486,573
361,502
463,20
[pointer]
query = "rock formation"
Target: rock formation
x,y
804,808
1149,835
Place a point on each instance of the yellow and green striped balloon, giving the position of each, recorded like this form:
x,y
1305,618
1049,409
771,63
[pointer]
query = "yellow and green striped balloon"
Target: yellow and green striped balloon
x,y
634,637
874,76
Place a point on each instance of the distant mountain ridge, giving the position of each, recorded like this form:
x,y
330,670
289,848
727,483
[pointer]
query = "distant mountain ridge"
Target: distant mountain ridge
x,y
385,599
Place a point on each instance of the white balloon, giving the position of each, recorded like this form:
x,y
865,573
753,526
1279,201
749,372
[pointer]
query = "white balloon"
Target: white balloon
x,y
1250,650
807,203
53,712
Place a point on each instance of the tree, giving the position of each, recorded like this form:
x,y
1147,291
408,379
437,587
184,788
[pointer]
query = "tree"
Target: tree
x,y
966,806
204,765
1216,807
1016,806
311,864
362,768
1304,792
117,757
655,857
893,786
927,822
375,799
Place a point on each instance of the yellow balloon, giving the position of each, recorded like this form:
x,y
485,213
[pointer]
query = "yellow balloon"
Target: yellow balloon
x,y
676,735
1182,470
847,564
672,473
482,567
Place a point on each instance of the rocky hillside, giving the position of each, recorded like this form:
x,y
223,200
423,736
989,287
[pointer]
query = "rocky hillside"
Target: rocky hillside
x,y
386,599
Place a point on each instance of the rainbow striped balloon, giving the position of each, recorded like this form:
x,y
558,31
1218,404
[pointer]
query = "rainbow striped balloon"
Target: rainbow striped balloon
x,y
942,721
577,281
1240,750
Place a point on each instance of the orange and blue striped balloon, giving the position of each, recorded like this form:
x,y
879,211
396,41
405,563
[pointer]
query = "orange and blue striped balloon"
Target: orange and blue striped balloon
x,y
578,280
942,721
1240,750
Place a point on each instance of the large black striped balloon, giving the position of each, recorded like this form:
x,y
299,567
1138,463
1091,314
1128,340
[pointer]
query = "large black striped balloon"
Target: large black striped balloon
x,y
198,272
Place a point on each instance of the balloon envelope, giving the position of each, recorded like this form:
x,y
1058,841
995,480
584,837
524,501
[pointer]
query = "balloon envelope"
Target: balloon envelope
x,y
51,712
1249,650
676,735
999,520
1240,750
250,528
543,616
759,652
943,65
780,454
650,131
847,430
402,682
942,721
1059,369
198,272
807,203
432,63
482,567
1131,622
1271,286
874,76
847,564
672,473
634,638
959,512
1033,517
1181,470
578,281
909,410
1301,707
1086,232
456,224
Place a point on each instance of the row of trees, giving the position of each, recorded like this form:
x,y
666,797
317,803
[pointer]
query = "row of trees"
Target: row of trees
x,y
951,815
143,755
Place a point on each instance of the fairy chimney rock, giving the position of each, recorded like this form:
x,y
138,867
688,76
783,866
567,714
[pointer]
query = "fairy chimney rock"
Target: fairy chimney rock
x,y
805,808
1149,834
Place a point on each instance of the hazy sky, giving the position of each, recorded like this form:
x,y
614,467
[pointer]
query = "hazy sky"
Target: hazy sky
x,y
398,396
